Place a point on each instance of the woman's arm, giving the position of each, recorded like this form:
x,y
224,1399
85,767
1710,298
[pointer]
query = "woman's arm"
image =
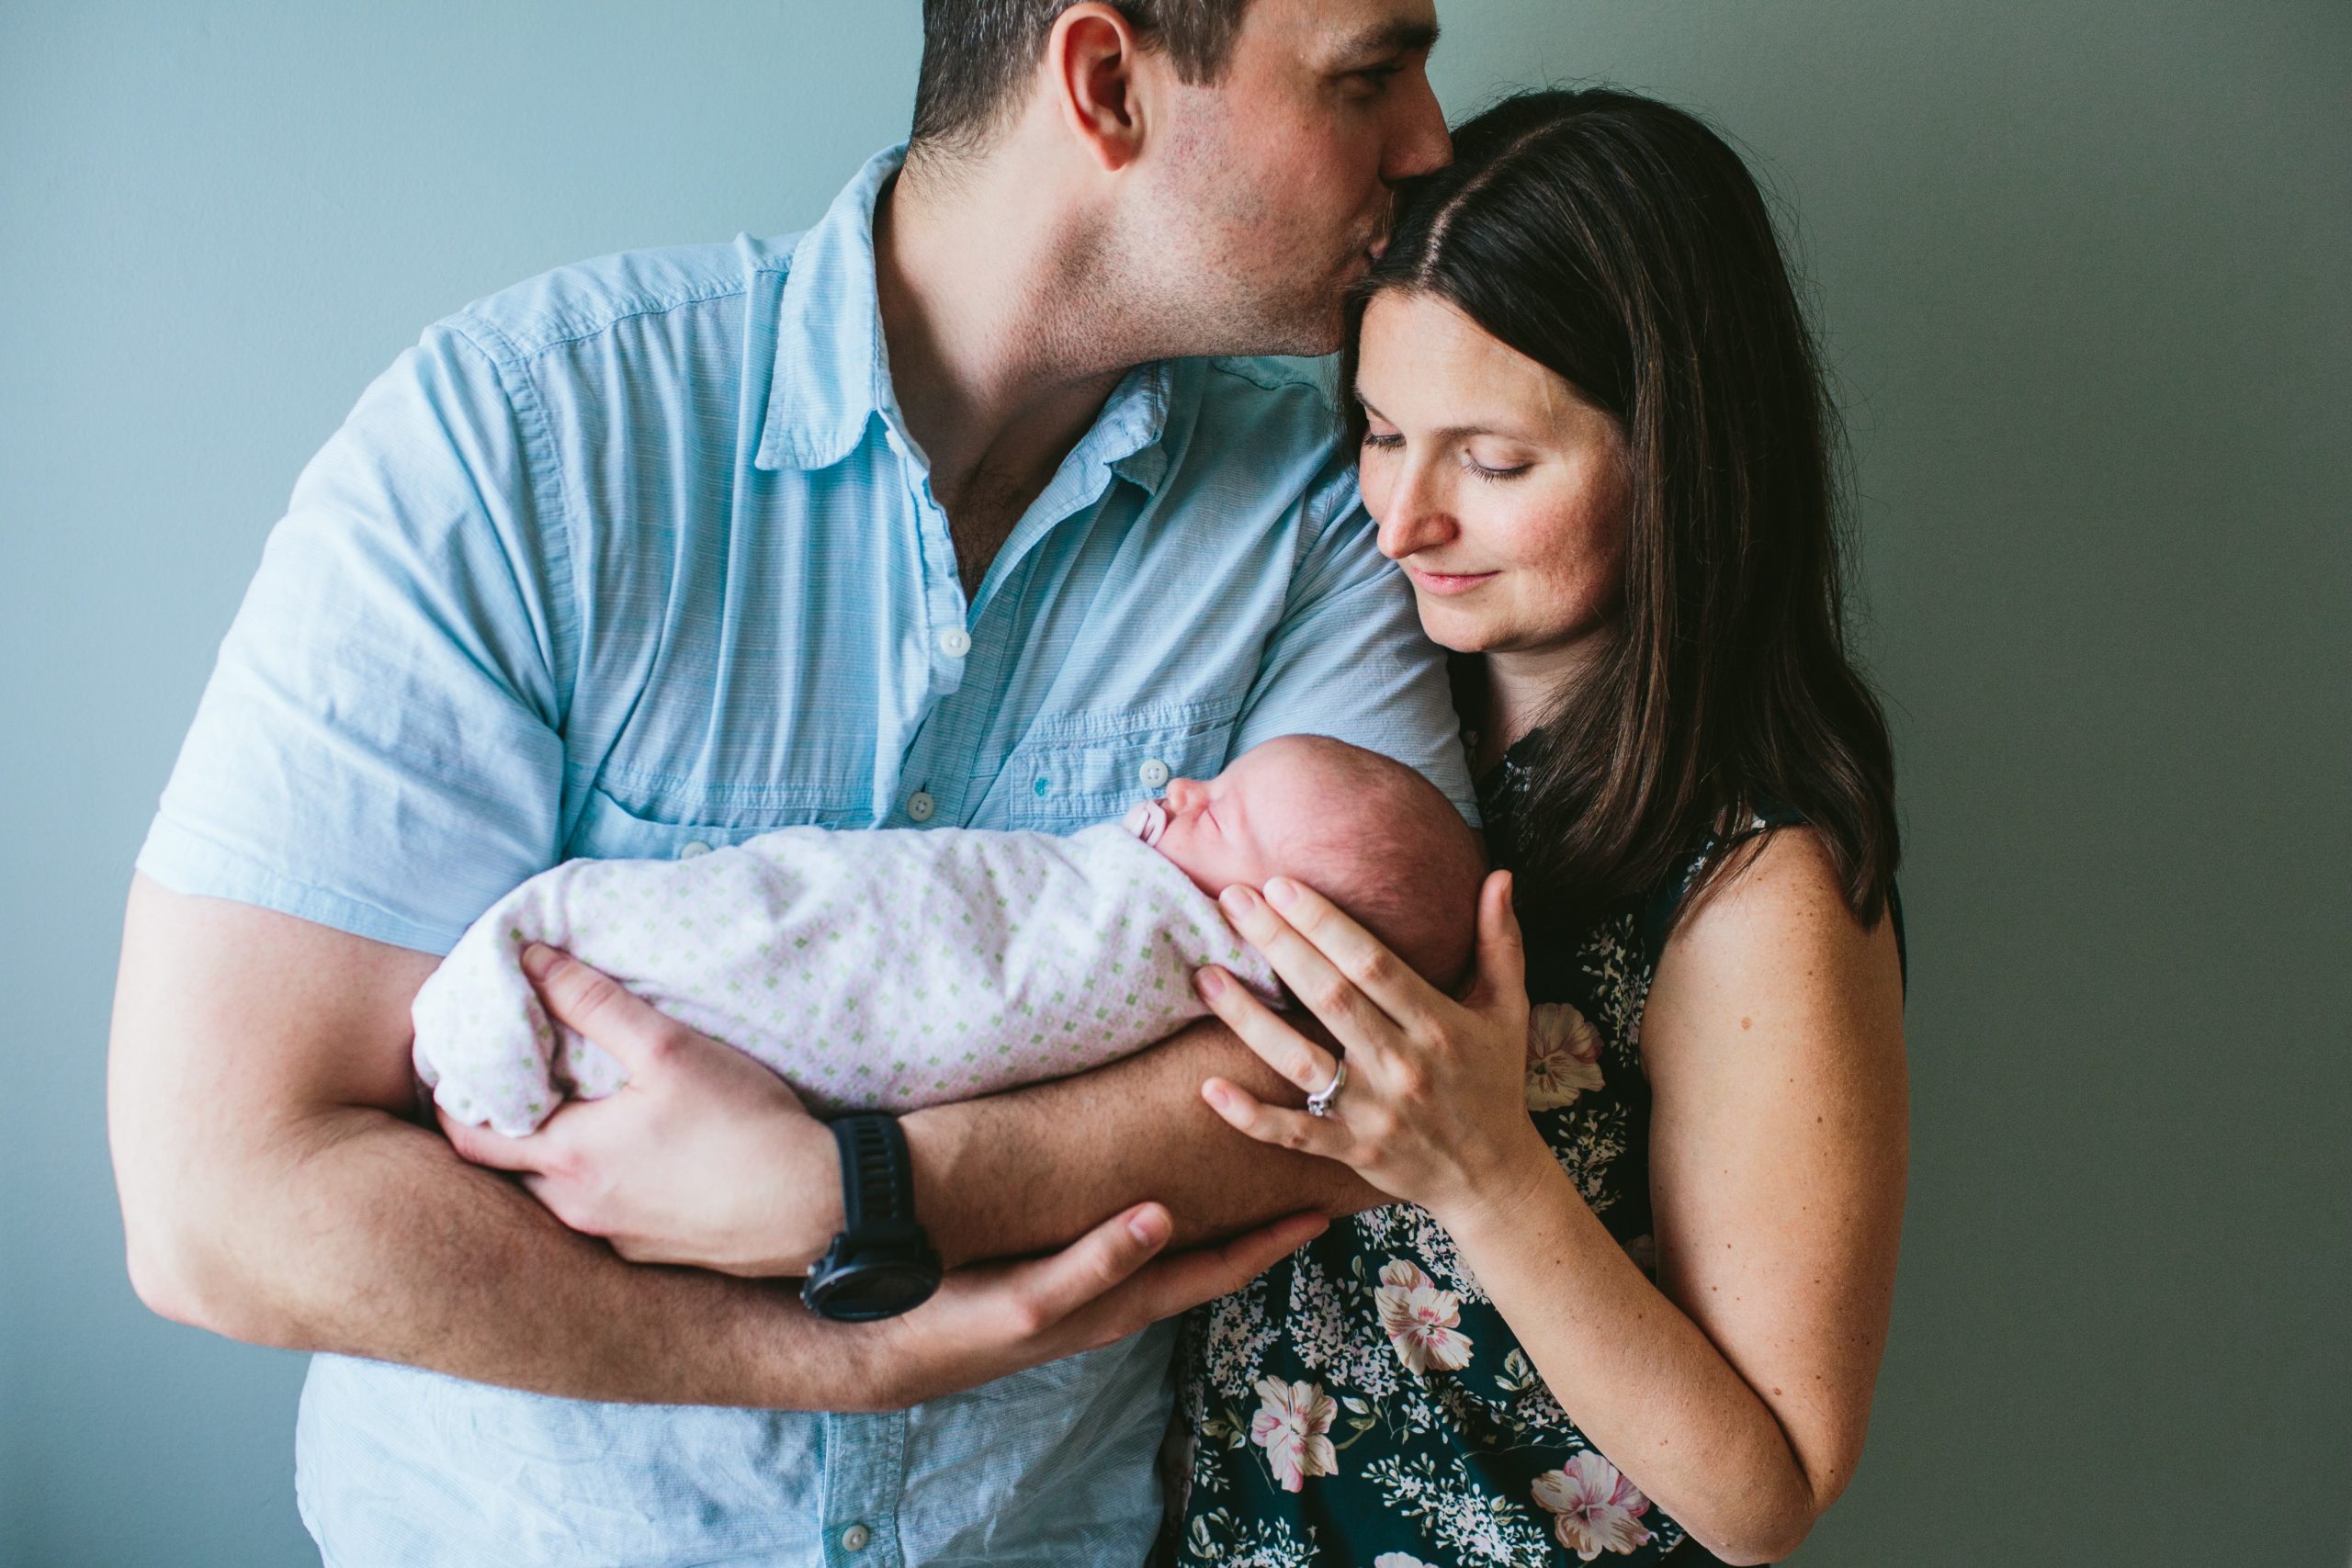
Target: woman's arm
x,y
1736,1393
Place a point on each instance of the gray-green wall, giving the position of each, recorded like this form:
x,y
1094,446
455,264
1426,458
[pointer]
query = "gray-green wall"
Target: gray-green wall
x,y
2083,269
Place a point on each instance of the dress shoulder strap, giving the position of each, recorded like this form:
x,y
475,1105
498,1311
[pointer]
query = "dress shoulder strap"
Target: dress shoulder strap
x,y
1658,909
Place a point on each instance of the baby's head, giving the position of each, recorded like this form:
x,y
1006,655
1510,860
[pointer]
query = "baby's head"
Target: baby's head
x,y
1365,831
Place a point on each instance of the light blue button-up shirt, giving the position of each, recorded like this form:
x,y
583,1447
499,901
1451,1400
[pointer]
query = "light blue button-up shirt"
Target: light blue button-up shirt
x,y
639,557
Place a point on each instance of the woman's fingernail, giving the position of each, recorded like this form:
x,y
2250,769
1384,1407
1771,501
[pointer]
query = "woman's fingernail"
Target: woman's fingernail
x,y
1236,900
1282,892
539,960
1210,983
1149,1225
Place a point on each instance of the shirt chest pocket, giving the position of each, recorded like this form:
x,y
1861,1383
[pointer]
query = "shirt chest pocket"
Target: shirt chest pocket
x,y
1059,783
680,823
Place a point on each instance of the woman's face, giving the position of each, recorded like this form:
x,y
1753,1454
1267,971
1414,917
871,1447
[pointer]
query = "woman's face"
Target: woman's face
x,y
1501,492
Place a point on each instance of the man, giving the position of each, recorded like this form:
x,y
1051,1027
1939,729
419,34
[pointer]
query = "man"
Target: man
x,y
933,515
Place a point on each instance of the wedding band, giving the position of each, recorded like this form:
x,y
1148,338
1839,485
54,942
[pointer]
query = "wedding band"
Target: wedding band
x,y
1319,1102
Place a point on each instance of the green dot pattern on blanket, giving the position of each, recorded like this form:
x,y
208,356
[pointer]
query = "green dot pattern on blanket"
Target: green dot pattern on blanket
x,y
872,970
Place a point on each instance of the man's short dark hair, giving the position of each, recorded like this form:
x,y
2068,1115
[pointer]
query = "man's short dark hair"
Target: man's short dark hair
x,y
978,54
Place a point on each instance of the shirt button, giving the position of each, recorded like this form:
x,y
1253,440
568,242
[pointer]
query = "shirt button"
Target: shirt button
x,y
855,1537
919,806
954,642
688,851
1153,773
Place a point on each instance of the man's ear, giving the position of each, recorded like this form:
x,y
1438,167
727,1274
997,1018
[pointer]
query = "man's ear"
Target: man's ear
x,y
1090,67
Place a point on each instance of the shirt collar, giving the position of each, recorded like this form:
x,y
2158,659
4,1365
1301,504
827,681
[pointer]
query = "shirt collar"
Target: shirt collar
x,y
831,373
1127,434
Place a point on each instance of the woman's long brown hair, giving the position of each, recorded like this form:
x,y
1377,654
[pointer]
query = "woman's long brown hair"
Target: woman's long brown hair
x,y
1620,242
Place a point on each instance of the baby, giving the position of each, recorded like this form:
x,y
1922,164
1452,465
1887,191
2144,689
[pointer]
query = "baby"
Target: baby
x,y
897,968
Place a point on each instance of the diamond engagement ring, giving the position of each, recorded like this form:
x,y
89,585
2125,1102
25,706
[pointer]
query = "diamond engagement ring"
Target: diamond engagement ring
x,y
1319,1102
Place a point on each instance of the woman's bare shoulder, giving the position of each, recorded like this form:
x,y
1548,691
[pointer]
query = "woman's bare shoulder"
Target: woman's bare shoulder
x,y
1776,932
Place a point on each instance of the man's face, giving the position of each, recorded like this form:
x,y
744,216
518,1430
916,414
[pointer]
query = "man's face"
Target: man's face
x,y
1272,185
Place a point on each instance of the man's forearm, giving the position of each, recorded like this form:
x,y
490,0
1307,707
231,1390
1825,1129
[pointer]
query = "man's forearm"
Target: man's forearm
x,y
1021,1172
272,1192
368,1236
258,1082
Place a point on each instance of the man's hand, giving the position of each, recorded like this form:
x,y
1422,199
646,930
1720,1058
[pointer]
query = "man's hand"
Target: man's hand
x,y
703,1158
994,1318
706,1157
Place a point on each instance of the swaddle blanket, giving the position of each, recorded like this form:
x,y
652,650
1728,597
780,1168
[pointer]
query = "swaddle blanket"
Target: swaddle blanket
x,y
873,970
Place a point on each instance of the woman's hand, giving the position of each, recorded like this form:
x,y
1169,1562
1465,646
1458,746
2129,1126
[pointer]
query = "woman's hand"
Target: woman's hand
x,y
703,1158
1435,1110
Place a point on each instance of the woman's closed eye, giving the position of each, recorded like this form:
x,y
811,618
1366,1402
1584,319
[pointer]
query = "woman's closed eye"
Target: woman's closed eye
x,y
1493,476
1493,471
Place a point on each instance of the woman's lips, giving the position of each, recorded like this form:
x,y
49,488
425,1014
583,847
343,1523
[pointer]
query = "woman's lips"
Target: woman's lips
x,y
1446,583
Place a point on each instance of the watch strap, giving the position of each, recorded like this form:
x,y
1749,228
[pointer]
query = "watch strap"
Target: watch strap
x,y
877,1174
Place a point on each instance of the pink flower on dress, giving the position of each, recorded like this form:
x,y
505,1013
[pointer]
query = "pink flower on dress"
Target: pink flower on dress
x,y
1291,1427
1398,1560
1562,1056
1423,1321
1594,1510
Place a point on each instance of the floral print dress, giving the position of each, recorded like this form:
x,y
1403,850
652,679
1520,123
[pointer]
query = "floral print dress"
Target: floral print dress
x,y
1363,1403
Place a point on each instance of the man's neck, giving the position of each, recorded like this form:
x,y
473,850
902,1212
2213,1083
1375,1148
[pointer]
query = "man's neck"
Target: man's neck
x,y
1002,348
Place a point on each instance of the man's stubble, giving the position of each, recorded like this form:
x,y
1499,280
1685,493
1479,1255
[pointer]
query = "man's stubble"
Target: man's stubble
x,y
1211,272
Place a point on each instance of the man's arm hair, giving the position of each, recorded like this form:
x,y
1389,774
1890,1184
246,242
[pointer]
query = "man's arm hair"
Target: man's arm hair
x,y
275,1190
1024,1171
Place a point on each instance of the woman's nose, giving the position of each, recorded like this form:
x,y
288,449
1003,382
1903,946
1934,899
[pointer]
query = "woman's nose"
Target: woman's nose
x,y
1415,519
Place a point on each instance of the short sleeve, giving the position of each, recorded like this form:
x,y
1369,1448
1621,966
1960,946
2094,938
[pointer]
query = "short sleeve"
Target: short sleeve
x,y
379,748
1349,658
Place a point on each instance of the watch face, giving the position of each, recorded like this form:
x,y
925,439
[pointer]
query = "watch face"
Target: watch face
x,y
858,1292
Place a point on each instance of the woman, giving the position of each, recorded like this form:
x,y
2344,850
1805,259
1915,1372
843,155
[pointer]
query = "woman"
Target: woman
x,y
1637,1288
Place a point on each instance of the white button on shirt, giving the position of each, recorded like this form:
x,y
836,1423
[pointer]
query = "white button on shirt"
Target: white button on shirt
x,y
919,806
688,851
1153,773
954,642
855,1537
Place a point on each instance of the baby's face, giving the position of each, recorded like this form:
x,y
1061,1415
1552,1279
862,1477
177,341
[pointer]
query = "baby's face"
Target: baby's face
x,y
1241,826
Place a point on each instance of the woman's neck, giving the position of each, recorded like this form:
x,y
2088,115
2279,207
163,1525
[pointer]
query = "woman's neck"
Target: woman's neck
x,y
1523,688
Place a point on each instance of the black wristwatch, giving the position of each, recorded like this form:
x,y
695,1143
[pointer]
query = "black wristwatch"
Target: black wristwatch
x,y
881,1264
